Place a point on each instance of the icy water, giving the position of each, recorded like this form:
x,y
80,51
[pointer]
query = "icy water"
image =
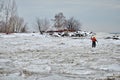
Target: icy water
x,y
50,58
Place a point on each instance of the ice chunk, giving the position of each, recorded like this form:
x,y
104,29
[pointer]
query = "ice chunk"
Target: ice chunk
x,y
112,67
44,69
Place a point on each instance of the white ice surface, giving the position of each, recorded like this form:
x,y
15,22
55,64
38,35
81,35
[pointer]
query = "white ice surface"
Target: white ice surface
x,y
31,56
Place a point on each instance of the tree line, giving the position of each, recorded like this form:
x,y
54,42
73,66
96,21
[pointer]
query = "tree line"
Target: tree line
x,y
59,22
11,22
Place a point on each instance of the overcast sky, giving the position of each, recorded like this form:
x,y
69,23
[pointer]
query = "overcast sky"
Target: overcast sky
x,y
95,15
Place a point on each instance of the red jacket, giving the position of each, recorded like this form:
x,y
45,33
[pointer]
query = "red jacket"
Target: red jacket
x,y
93,39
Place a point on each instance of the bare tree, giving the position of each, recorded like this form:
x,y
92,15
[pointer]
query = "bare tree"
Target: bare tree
x,y
16,24
42,24
13,23
1,9
2,26
73,24
24,28
39,25
7,15
2,23
45,24
10,14
1,4
59,21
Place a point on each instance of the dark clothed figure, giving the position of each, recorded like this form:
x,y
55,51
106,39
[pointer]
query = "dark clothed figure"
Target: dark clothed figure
x,y
93,42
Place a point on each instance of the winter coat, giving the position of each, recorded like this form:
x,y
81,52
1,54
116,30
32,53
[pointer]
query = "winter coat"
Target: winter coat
x,y
93,39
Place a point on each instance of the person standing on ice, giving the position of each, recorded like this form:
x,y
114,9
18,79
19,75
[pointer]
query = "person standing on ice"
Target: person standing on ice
x,y
94,40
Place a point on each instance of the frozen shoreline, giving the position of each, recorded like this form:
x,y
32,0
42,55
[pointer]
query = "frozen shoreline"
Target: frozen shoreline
x,y
42,57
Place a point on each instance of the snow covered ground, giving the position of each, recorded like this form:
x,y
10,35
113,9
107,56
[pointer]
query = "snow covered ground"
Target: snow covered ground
x,y
32,56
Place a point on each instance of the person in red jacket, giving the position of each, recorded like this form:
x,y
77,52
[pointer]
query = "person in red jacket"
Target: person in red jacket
x,y
93,41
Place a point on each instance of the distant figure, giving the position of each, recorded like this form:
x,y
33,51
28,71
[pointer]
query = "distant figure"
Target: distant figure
x,y
93,41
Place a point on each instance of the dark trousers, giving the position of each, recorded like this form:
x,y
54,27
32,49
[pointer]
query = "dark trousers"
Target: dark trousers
x,y
93,44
